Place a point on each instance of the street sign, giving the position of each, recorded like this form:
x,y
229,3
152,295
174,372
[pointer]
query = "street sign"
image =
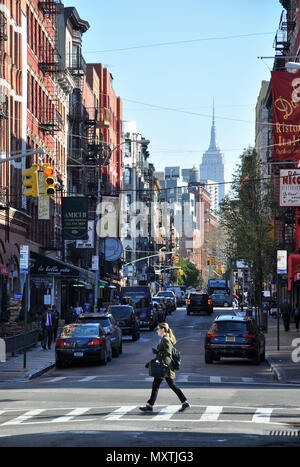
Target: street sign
x,y
24,259
281,262
289,187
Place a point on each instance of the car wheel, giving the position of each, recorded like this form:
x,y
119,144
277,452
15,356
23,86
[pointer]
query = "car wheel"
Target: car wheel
x,y
263,356
256,359
188,313
136,336
121,348
208,358
115,352
103,361
59,364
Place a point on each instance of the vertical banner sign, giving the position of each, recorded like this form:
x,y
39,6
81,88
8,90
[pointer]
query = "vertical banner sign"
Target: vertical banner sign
x,y
109,225
43,201
286,115
24,259
75,218
281,262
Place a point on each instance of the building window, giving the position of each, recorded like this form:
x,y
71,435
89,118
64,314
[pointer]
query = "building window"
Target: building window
x,y
127,176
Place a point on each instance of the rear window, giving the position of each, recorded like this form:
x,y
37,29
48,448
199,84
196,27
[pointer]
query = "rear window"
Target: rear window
x,y
230,326
199,298
79,331
121,312
97,319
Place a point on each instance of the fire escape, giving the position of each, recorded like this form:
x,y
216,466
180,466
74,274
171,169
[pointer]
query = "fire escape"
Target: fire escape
x,y
50,120
3,117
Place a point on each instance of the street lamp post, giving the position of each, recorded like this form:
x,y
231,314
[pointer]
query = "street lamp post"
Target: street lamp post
x,y
98,212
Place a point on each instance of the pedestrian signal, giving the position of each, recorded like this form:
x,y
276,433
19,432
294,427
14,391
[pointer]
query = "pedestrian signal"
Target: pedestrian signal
x,y
49,181
30,182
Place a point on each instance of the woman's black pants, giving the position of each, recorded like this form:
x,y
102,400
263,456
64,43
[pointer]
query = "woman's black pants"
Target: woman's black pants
x,y
155,387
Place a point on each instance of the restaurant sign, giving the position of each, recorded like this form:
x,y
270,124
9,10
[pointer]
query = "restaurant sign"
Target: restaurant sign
x,y
75,218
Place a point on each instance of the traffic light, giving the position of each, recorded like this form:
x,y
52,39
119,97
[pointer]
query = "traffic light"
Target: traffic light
x,y
49,181
30,182
208,261
172,259
176,260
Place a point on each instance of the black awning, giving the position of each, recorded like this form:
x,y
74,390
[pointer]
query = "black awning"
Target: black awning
x,y
46,266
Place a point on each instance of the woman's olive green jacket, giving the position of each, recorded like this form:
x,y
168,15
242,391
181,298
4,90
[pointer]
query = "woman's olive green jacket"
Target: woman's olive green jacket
x,y
164,354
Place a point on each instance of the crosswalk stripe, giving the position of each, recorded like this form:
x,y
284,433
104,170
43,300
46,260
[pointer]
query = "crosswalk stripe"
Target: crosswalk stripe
x,y
262,415
24,418
247,380
57,378
117,414
215,379
167,412
211,413
70,415
87,378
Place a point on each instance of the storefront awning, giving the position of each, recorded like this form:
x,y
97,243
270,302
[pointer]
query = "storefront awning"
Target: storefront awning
x,y
293,269
46,266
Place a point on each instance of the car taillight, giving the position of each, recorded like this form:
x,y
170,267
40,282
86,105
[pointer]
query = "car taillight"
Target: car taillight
x,y
95,341
209,302
212,334
62,343
189,301
250,336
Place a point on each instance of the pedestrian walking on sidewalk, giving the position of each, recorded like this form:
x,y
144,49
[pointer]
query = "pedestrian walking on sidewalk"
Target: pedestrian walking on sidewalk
x,y
285,313
164,355
47,326
297,316
55,323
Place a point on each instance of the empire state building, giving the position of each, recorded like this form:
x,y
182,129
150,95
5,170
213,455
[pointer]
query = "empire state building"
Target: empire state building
x,y
212,167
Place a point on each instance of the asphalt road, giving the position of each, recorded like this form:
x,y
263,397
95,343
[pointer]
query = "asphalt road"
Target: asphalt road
x,y
234,403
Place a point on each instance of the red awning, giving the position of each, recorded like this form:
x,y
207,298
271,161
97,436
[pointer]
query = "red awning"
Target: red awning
x,y
293,269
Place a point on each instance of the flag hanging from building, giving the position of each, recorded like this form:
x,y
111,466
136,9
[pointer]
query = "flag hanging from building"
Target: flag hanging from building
x,y
286,113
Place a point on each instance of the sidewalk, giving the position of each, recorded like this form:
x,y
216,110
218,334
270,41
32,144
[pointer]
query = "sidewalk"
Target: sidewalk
x,y
38,360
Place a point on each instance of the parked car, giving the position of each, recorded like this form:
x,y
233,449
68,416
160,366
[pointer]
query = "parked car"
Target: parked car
x,y
82,342
109,325
126,319
234,336
140,296
197,302
180,301
171,298
221,299
161,304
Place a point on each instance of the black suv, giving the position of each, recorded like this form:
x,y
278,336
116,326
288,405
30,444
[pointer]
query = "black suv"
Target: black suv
x,y
234,336
197,302
126,319
109,325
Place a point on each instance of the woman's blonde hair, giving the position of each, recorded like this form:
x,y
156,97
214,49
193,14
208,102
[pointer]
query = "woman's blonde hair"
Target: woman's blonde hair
x,y
168,331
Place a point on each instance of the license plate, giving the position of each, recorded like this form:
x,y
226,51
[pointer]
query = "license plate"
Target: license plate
x,y
78,354
230,339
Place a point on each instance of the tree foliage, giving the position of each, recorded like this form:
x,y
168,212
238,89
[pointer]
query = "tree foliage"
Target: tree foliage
x,y
246,214
190,277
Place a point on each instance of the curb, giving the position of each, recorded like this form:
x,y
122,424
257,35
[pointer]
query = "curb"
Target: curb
x,y
39,371
277,375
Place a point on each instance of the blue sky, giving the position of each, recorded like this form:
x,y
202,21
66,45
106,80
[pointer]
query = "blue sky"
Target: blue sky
x,y
169,89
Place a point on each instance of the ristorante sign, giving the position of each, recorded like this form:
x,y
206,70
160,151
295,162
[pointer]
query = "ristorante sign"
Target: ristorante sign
x,y
286,113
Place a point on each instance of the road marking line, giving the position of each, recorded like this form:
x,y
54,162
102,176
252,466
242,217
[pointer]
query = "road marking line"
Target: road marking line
x,y
57,378
262,415
70,415
211,413
117,414
215,379
167,412
25,417
247,380
87,378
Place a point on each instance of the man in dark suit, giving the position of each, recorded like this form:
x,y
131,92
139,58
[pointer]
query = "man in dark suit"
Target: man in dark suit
x,y
48,321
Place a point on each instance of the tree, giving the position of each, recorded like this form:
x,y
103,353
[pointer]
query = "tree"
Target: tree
x,y
246,214
190,277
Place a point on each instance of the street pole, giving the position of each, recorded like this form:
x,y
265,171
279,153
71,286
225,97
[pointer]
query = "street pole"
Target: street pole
x,y
278,302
